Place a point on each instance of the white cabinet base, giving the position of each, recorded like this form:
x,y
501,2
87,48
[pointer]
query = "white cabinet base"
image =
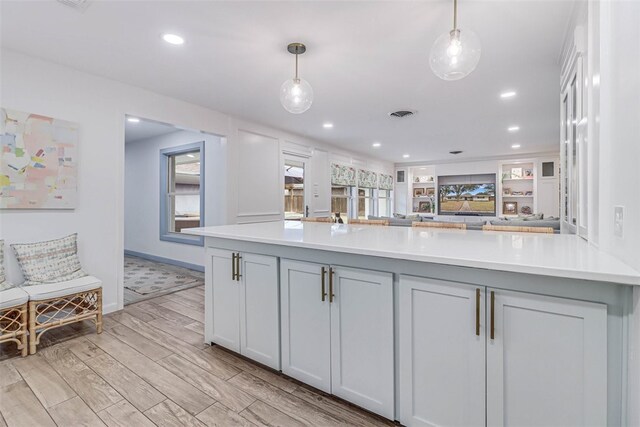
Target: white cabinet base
x,y
306,341
362,339
547,365
442,360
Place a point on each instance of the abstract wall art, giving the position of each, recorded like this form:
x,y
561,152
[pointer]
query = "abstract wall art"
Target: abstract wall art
x,y
38,161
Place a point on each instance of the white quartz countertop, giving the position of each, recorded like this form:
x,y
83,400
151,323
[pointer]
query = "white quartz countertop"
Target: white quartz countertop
x,y
557,255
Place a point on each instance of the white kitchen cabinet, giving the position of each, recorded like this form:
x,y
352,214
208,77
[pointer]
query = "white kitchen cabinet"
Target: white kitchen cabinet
x,y
546,357
362,339
306,343
442,353
337,332
226,300
259,305
244,289
546,362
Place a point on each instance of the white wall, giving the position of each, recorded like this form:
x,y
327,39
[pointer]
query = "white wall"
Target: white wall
x,y
141,194
619,153
620,127
99,106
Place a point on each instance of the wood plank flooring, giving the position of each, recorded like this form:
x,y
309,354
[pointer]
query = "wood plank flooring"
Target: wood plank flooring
x,y
151,367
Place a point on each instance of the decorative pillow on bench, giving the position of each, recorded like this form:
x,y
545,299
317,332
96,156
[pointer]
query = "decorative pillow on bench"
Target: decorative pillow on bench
x,y
49,262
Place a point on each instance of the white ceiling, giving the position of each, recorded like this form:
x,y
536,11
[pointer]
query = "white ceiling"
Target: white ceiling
x,y
145,129
364,59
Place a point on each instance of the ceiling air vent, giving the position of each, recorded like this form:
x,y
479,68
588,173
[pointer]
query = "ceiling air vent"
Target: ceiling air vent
x,y
402,113
80,5
455,152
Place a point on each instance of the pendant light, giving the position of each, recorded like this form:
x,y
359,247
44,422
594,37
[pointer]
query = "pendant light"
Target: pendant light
x,y
296,94
455,54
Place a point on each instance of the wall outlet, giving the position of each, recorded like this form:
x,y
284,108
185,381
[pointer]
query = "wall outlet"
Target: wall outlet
x,y
618,221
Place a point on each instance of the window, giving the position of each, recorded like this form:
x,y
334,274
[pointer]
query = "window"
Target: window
x,y
365,203
182,192
340,201
384,202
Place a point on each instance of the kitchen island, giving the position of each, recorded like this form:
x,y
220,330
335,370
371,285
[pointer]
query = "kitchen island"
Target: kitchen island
x,y
428,326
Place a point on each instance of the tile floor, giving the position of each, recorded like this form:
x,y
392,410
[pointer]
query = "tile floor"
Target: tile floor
x,y
150,367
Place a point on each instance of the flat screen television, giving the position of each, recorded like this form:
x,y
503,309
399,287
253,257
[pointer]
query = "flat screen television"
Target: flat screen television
x,y
467,195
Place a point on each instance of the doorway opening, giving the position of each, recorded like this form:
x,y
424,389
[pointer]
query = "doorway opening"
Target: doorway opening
x,y
164,195
294,191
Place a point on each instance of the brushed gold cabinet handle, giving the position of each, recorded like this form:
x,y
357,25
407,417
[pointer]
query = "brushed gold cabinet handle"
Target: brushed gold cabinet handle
x,y
238,275
323,290
493,324
331,295
478,312
233,266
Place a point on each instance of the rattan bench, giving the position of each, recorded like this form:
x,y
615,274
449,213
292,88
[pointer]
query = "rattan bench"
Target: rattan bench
x,y
13,317
52,305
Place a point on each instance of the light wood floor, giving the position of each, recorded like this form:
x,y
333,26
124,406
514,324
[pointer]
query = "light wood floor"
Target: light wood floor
x,y
150,367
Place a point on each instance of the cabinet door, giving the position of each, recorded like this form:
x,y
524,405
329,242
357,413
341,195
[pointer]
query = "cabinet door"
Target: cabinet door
x,y
259,316
362,369
547,363
305,324
226,295
442,353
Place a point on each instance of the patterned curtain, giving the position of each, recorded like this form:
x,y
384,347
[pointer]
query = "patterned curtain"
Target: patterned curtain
x,y
386,182
367,179
343,175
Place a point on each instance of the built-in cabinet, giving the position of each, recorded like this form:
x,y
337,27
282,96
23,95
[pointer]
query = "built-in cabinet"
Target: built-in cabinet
x,y
470,352
245,303
337,331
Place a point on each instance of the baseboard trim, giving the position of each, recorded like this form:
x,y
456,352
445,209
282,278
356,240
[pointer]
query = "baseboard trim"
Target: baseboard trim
x,y
163,260
109,308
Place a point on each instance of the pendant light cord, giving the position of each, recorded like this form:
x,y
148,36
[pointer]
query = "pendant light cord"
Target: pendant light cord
x,y
297,67
455,14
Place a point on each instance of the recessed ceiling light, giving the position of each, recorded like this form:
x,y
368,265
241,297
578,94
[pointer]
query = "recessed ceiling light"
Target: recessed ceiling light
x,y
191,155
515,146
423,169
508,94
376,145
173,39
133,120
513,128
327,125
406,156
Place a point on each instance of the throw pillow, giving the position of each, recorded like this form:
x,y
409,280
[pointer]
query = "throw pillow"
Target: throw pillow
x,y
530,217
49,262
2,276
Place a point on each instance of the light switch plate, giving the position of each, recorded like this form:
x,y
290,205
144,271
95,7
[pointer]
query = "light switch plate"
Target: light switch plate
x,y
618,221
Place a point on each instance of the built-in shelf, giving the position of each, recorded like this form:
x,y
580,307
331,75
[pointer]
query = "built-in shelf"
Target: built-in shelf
x,y
518,176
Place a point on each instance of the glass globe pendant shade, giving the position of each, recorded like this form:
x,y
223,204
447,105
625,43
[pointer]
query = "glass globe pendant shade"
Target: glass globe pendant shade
x,y
296,95
455,54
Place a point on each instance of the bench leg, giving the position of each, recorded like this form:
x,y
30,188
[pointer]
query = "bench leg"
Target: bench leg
x,y
32,327
99,315
23,338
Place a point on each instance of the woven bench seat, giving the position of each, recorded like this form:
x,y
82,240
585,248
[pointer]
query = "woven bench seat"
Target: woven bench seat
x,y
12,297
59,289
